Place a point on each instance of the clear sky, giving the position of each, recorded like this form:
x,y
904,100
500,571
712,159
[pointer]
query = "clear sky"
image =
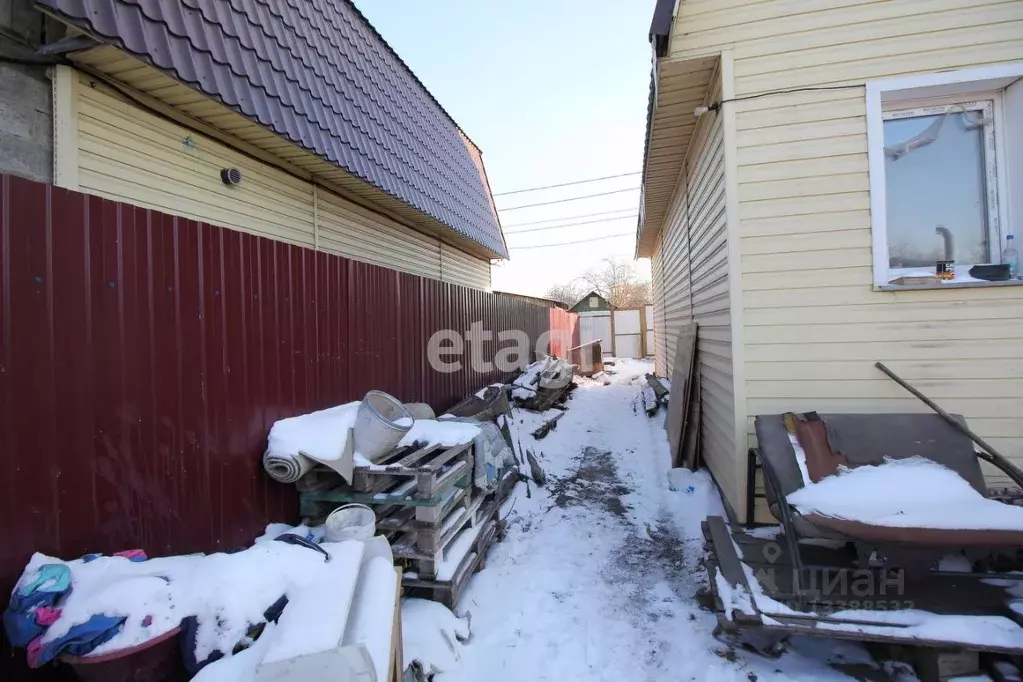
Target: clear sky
x,y
552,92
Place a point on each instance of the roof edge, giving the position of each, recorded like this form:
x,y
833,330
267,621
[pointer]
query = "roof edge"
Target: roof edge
x,y
412,73
641,226
660,26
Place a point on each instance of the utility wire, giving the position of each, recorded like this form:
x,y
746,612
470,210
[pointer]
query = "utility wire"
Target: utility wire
x,y
584,222
581,241
561,201
572,217
821,88
566,184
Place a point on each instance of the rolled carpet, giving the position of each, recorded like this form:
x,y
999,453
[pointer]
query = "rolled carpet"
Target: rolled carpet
x,y
286,467
420,411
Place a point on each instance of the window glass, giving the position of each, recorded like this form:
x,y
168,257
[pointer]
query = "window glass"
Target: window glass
x,y
937,184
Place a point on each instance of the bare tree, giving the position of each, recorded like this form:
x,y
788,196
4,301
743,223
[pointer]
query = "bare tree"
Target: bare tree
x,y
617,281
566,293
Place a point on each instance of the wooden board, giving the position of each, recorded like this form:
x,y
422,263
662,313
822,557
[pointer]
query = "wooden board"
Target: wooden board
x,y
689,453
727,558
681,385
397,665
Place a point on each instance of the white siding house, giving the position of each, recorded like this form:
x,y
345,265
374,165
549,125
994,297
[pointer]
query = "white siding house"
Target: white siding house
x,y
821,220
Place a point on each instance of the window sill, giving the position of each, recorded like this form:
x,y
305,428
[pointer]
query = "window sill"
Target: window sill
x,y
948,285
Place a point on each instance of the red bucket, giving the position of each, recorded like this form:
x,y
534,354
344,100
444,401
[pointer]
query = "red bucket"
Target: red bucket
x,y
156,660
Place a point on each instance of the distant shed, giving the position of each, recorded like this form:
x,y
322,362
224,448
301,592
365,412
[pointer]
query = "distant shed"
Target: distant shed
x,y
591,302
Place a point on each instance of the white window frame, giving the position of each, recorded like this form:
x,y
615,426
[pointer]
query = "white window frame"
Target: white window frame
x,y
987,104
914,92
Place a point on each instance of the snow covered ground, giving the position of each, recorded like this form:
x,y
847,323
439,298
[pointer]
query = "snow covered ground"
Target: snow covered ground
x,y
598,576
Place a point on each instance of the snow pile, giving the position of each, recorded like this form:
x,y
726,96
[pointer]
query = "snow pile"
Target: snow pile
x,y
314,620
440,432
547,372
371,622
241,667
733,598
227,592
320,435
311,533
431,635
700,498
906,493
530,375
980,630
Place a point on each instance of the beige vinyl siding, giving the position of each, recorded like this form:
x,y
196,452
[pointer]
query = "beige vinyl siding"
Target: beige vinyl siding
x,y
461,268
690,271
128,154
344,226
813,324
657,293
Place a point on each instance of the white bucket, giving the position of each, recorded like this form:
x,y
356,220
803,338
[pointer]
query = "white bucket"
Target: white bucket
x,y
350,522
381,422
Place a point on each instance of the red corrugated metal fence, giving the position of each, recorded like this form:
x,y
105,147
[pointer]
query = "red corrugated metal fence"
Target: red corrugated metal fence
x,y
143,358
564,332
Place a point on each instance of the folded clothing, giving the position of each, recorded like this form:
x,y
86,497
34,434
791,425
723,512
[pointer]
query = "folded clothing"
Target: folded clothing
x,y
33,609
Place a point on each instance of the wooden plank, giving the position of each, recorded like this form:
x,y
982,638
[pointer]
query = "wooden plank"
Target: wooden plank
x,y
434,483
401,497
690,452
414,457
397,664
681,376
727,558
433,465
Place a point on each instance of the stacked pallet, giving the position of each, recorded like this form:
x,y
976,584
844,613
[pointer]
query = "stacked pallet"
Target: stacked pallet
x,y
438,526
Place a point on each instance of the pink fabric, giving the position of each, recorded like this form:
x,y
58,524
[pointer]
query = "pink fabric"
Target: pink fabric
x,y
47,615
33,650
131,554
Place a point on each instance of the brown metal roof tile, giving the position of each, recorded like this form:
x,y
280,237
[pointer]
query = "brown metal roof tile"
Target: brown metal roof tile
x,y
315,72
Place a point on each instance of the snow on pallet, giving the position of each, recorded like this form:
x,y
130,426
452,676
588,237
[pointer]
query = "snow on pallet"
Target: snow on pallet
x,y
444,579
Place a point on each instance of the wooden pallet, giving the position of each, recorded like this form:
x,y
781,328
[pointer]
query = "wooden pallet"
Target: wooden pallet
x,y
422,546
425,584
421,477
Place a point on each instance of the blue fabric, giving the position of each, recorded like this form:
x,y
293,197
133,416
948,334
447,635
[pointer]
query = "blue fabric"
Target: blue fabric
x,y
51,581
55,578
190,628
79,640
293,539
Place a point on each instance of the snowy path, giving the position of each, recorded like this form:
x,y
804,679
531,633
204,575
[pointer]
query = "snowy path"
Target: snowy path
x,y
598,576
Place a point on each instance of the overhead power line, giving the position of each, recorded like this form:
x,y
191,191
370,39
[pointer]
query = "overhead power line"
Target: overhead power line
x,y
562,201
584,222
581,241
566,184
572,217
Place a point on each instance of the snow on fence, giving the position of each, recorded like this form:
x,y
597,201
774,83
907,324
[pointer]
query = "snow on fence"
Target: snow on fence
x,y
143,357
